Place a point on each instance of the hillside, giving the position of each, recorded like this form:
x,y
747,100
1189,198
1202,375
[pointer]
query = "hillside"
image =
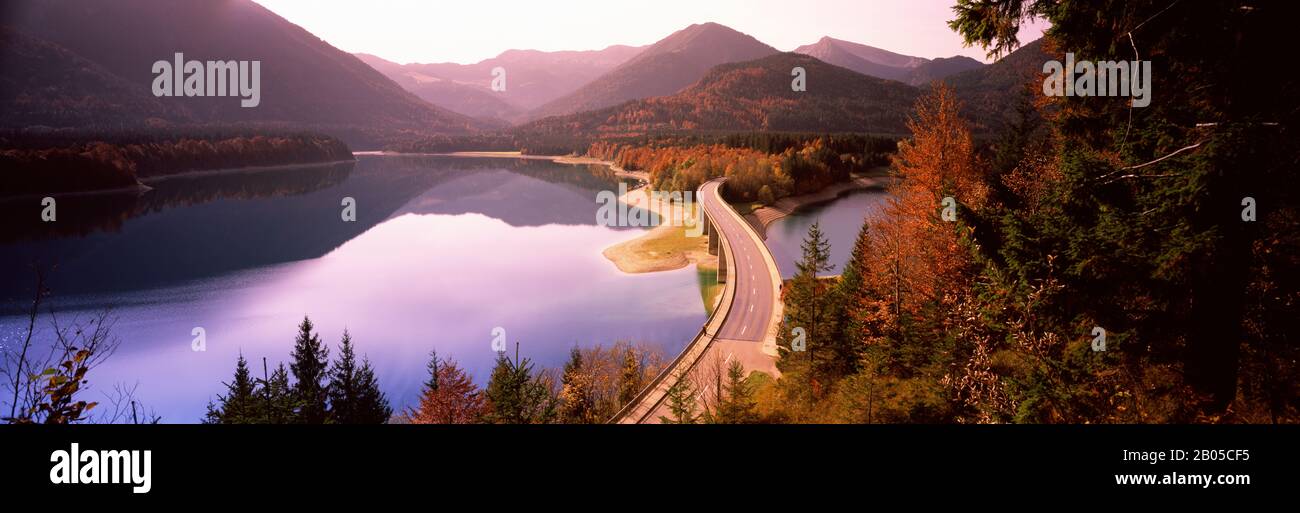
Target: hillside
x,y
534,77
861,58
44,84
989,94
664,68
875,62
473,100
299,72
940,68
756,95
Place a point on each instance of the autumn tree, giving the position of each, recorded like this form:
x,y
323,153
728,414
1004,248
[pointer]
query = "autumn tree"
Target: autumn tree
x,y
448,397
577,404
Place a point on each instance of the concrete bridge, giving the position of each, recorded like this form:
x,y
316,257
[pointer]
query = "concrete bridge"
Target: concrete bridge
x,y
744,323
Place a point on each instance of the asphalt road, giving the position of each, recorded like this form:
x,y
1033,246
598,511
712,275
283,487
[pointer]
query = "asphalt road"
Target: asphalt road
x,y
751,310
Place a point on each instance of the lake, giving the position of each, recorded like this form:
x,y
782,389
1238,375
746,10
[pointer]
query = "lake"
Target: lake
x,y
840,219
442,251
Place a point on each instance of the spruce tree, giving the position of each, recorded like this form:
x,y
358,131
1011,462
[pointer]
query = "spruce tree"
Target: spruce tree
x,y
515,397
279,404
629,378
240,404
354,395
310,361
577,405
806,303
738,405
683,403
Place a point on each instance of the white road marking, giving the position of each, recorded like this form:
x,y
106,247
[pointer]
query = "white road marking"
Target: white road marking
x,y
743,328
751,307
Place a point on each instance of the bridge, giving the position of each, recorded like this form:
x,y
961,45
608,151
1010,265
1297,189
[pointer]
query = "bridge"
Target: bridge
x,y
744,323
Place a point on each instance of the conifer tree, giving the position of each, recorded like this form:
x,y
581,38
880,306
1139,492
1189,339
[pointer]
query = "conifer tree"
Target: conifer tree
x,y
277,396
515,396
449,396
576,401
808,305
309,367
354,395
683,403
738,405
630,381
240,404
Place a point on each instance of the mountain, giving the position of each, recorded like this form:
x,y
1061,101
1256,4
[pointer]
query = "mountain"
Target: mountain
x,y
861,58
872,61
756,95
300,73
474,100
664,68
44,84
532,77
990,94
940,68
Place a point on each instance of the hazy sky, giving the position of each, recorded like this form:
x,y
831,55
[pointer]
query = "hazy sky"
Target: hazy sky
x,y
468,31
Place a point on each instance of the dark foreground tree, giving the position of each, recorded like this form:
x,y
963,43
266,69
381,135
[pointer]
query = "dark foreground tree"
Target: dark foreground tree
x,y
515,396
240,404
354,394
309,366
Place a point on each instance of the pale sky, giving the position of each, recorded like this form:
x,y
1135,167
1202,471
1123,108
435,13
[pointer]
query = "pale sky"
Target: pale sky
x,y
467,31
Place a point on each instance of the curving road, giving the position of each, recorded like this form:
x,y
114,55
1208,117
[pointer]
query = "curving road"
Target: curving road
x,y
751,310
746,332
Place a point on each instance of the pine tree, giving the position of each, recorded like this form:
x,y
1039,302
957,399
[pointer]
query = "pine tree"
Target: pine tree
x,y
808,305
280,403
353,392
240,404
852,298
630,381
576,402
309,366
738,407
372,404
514,396
449,396
683,403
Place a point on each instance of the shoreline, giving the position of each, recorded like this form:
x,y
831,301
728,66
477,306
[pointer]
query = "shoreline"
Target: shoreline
x,y
239,170
144,185
661,248
764,216
558,159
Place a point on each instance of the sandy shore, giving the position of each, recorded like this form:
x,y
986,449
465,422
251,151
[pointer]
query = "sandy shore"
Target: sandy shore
x,y
663,248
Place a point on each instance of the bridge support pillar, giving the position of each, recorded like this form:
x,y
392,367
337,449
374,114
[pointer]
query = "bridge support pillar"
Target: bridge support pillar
x,y
715,245
722,264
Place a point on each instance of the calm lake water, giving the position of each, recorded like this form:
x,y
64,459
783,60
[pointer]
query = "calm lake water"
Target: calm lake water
x,y
840,220
443,250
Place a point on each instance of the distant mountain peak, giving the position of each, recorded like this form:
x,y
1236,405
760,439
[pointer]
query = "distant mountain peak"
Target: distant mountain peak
x,y
663,68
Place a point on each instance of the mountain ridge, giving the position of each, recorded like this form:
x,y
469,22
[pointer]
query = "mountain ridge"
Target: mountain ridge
x,y
663,68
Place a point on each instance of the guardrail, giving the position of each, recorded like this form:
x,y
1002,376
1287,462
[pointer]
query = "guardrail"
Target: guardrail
x,y
637,410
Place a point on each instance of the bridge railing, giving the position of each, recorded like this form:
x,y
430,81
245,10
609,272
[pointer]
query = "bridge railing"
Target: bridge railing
x,y
652,395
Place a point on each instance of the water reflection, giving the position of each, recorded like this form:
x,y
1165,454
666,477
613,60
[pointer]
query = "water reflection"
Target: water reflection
x,y
443,250
840,220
